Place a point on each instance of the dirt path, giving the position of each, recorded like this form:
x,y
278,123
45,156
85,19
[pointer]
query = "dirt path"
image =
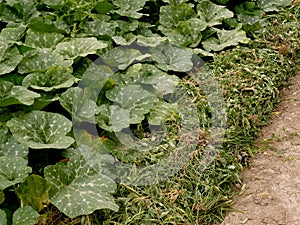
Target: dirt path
x,y
272,183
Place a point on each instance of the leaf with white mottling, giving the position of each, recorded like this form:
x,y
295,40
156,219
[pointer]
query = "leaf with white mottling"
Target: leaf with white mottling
x,y
13,32
273,5
53,78
171,57
40,130
37,185
212,13
42,39
130,8
78,104
113,118
10,146
78,190
122,57
79,47
10,60
11,95
40,59
225,39
133,98
13,170
25,216
100,26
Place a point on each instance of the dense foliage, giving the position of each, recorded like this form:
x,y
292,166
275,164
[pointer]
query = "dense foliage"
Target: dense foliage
x,y
109,65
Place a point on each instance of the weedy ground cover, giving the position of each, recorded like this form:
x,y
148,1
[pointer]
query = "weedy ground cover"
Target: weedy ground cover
x,y
51,89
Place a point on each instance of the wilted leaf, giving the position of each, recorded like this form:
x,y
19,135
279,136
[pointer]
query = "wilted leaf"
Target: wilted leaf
x,y
212,13
78,190
79,47
37,185
10,60
171,57
78,104
40,130
54,78
25,216
129,8
13,170
11,95
40,59
42,39
225,39
133,98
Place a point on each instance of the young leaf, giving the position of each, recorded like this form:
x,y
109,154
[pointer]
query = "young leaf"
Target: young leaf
x,y
78,104
37,185
42,39
129,8
79,47
171,57
78,190
225,39
40,59
54,78
3,219
133,98
13,170
11,95
40,130
10,60
25,216
212,13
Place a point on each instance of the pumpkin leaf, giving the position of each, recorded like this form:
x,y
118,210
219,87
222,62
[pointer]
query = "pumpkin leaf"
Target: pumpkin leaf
x,y
77,189
41,130
25,216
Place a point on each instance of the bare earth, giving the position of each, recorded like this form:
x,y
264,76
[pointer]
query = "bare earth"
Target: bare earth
x,y
272,182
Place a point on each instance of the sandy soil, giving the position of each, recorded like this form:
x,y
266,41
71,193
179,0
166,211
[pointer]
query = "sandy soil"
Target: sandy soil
x,y
272,193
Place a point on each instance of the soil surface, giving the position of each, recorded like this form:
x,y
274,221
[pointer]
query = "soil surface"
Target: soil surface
x,y
271,185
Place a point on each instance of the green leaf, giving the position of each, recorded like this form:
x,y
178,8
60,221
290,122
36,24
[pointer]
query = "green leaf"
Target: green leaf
x,y
133,98
42,39
40,59
79,47
273,5
187,33
225,39
129,8
79,190
171,57
11,95
40,130
13,170
2,198
122,57
54,78
13,32
10,146
171,16
78,104
25,216
46,25
10,60
101,26
37,185
3,219
113,118
151,41
161,112
212,13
